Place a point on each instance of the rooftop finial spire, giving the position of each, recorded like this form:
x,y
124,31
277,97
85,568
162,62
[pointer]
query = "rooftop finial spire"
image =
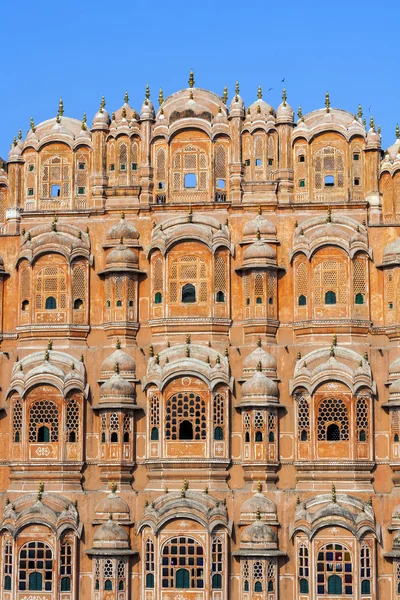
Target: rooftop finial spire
x,y
118,344
225,95
61,107
160,97
259,342
102,103
372,123
259,366
32,124
83,124
237,91
333,494
284,96
300,113
20,134
329,216
40,491
259,93
191,79
259,487
126,98
397,132
327,102
360,111
147,94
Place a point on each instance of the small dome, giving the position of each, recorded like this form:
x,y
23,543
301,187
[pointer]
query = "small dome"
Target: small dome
x,y
112,505
147,111
259,224
121,255
123,230
259,386
394,149
391,254
101,118
110,535
117,387
258,251
260,109
373,138
126,364
258,504
15,152
251,362
284,112
259,535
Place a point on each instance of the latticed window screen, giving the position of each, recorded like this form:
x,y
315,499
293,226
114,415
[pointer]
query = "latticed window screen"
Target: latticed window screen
x,y
246,288
82,176
330,276
396,199
271,285
270,576
66,565
217,562
362,419
334,571
44,413
149,565
25,285
79,283
131,291
119,288
17,421
218,410
304,568
258,576
8,565
154,410
121,570
188,269
2,207
188,571
328,162
108,290
387,189
56,171
113,422
389,287
333,411
259,422
271,422
157,276
36,560
160,165
246,422
186,406
220,274
51,282
220,162
365,569
395,424
122,156
303,419
190,159
259,285
127,427
397,575
359,278
301,280
73,420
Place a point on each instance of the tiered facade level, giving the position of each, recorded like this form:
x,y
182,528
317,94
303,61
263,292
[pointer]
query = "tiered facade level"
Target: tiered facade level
x,y
199,354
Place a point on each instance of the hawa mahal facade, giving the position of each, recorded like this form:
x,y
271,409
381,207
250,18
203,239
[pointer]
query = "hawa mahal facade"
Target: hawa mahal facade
x,y
199,354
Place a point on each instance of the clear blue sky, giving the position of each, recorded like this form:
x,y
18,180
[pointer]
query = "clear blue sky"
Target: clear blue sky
x,y
82,49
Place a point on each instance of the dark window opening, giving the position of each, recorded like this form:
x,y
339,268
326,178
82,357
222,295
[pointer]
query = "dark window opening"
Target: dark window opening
x,y
72,436
246,586
182,579
122,167
390,305
271,436
7,582
126,437
188,293
130,303
108,303
51,303
304,436
55,191
35,582
301,158
329,181
258,162
185,430
220,297
112,167
114,437
81,190
25,305
190,181
270,587
362,437
302,183
65,584
17,438
43,434
247,162
78,303
365,587
334,585
161,185
396,437
333,433
218,434
158,298
356,156
302,300
359,299
118,303
221,184
303,586
258,586
154,434
270,300
330,298
31,168
81,166
216,582
247,437
247,301
121,585
150,580
108,585
103,438
258,300
30,191
356,181
258,437
270,161
134,167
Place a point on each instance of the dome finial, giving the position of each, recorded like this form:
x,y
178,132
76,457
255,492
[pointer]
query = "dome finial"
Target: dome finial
x,y
83,124
61,107
284,96
258,234
332,351
40,491
126,98
300,113
237,91
116,368
113,487
397,132
102,103
147,94
191,79
20,134
259,342
258,514
360,111
160,97
334,341
258,109
327,102
259,366
379,129
329,216
372,123
49,345
32,124
333,494
259,209
225,95
118,344
259,93
259,487
188,338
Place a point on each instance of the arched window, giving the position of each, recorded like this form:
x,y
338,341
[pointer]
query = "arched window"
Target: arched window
x,y
188,572
330,297
190,181
17,421
334,570
217,563
72,421
114,437
218,416
8,565
304,569
258,436
43,422
25,305
78,304
51,303
362,420
359,299
258,576
154,434
114,428
108,586
218,434
158,282
121,572
333,421
188,410
220,296
188,293
35,568
303,586
259,426
302,300
303,419
365,569
158,298
149,564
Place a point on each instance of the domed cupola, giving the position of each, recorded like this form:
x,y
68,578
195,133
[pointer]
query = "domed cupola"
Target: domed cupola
x,y
391,254
101,119
259,255
147,112
126,364
123,229
260,110
259,536
237,104
259,390
393,150
121,258
117,390
84,134
259,224
111,536
284,112
114,505
258,505
14,154
373,137
252,361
